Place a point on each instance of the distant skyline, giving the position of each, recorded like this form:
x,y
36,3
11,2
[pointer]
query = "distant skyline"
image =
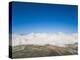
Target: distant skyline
x,y
33,17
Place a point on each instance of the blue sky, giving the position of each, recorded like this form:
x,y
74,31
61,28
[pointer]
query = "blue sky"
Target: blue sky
x,y
30,17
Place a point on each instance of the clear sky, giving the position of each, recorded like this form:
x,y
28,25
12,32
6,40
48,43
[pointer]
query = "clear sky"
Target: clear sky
x,y
30,17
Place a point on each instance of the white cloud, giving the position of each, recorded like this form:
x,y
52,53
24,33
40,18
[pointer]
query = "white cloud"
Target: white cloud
x,y
58,39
